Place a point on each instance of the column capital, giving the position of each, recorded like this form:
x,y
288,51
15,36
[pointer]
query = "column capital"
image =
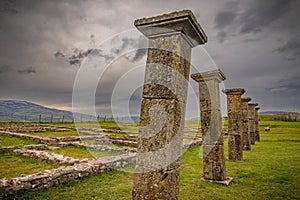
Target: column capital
x,y
180,22
234,91
253,104
246,99
209,75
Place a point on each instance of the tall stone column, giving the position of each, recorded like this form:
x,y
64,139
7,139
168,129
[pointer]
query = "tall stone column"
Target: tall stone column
x,y
235,125
211,124
257,135
246,129
171,37
252,126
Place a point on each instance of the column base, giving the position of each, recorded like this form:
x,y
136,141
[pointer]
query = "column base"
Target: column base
x,y
226,182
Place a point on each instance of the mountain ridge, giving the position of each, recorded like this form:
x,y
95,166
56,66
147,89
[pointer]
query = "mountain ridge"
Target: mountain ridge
x,y
20,110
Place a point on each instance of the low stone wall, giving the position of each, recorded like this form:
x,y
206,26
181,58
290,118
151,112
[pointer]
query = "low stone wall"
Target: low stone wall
x,y
109,148
11,127
36,147
130,143
48,178
45,140
48,140
44,155
7,148
195,142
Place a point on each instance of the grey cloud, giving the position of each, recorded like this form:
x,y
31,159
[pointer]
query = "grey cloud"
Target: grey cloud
x,y
286,85
8,6
224,18
59,54
139,54
262,14
222,35
28,70
78,55
4,68
291,49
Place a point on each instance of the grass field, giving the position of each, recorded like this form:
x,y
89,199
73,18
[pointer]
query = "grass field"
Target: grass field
x,y
13,141
12,165
269,171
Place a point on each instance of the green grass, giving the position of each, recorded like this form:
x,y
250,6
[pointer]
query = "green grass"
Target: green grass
x,y
13,141
82,152
269,171
12,165
54,133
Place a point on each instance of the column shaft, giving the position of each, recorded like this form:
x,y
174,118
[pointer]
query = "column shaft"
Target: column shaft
x,y
235,128
171,37
257,135
252,124
246,129
211,124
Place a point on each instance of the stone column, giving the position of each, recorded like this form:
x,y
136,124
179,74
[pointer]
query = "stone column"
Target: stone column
x,y
252,121
257,135
235,146
211,124
171,37
246,130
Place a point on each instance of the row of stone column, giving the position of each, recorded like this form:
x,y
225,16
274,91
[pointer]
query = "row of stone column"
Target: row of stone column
x,y
243,127
171,37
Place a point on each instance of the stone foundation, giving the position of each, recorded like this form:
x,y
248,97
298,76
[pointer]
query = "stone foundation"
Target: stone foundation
x,y
49,178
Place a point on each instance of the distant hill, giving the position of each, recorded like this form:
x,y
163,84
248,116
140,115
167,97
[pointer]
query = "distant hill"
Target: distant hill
x,y
27,111
279,113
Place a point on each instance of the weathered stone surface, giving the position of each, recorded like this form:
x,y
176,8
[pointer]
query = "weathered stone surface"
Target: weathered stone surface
x,y
235,147
214,162
257,135
235,123
160,134
183,22
158,184
49,178
167,69
211,124
171,37
53,157
252,126
246,130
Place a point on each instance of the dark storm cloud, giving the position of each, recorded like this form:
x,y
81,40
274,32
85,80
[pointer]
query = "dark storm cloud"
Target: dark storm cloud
x,y
139,54
8,6
286,85
259,15
28,70
262,14
224,18
4,68
78,55
51,36
222,35
291,49
59,54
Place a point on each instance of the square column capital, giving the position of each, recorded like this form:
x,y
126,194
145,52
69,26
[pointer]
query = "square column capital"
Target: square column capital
x,y
234,91
246,99
180,22
217,75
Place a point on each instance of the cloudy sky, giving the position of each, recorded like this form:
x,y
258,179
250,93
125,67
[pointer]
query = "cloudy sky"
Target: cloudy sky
x,y
45,45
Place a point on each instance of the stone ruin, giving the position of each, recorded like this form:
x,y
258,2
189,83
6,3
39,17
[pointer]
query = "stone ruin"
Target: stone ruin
x,y
160,140
171,37
245,118
214,168
235,123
